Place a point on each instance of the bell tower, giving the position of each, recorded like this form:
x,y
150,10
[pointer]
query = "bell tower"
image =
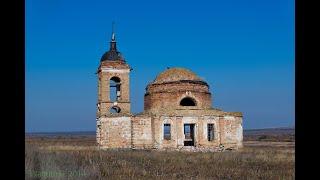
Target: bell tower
x,y
113,83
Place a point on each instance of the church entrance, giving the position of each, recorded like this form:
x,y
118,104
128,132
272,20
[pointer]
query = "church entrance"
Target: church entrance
x,y
188,134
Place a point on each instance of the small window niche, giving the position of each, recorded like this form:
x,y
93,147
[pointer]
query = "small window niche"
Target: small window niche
x,y
115,110
167,131
210,132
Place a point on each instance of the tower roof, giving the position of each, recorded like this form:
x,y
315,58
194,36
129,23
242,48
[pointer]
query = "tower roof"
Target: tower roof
x,y
113,54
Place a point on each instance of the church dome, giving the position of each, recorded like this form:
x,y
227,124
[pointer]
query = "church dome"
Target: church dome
x,y
177,88
176,74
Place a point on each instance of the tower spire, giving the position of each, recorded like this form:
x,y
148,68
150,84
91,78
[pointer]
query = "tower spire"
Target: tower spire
x,y
113,38
113,46
113,54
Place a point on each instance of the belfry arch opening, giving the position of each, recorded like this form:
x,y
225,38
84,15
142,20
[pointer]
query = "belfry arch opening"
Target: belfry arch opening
x,y
115,89
188,101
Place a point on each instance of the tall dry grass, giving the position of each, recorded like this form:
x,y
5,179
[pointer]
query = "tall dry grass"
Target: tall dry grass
x,y
52,160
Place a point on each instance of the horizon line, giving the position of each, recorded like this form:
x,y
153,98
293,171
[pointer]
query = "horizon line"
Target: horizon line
x,y
287,127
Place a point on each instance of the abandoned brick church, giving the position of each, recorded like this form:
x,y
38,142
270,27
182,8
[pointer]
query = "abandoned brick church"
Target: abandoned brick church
x,y
178,112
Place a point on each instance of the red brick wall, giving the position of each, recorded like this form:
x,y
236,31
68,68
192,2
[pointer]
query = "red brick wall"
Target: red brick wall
x,y
168,95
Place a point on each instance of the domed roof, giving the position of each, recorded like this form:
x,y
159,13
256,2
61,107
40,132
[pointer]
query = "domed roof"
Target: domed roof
x,y
176,74
112,56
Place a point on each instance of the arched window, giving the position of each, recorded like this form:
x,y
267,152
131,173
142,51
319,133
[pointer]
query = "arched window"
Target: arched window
x,y
115,89
187,101
115,110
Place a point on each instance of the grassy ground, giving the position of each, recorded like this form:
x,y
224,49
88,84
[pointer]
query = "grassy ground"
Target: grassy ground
x,y
78,158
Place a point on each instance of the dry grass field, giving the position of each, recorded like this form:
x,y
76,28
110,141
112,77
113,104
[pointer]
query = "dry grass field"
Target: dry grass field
x,y
77,157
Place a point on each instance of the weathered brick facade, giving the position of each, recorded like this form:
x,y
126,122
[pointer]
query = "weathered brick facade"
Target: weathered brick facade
x,y
178,112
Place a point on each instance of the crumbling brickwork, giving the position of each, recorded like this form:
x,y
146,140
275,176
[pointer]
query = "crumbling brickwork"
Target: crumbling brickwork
x,y
105,72
142,137
174,92
115,132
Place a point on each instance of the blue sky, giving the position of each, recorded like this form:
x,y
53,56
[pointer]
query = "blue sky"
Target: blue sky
x,y
243,49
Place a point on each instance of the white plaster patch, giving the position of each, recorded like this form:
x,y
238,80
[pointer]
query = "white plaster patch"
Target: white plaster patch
x,y
229,117
166,120
114,123
211,118
142,122
117,120
189,119
240,133
115,70
102,119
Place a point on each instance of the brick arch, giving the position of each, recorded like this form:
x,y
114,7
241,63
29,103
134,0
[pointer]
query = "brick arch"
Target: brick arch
x,y
115,88
115,79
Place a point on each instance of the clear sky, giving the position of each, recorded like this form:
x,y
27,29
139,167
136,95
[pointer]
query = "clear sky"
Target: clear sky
x,y
244,49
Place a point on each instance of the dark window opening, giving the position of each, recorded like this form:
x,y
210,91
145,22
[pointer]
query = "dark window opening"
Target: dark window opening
x,y
167,131
115,110
187,101
210,132
188,131
115,89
